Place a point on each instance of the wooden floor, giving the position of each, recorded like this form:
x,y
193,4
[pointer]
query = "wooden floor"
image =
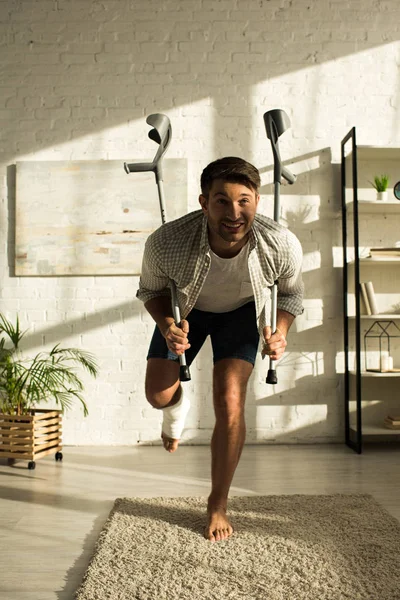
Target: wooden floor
x,y
50,517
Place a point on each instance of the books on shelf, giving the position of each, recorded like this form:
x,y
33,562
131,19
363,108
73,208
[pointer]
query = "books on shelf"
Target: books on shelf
x,y
365,299
392,422
392,252
369,298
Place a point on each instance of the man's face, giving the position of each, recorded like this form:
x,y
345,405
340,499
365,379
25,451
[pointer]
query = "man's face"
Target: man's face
x,y
230,210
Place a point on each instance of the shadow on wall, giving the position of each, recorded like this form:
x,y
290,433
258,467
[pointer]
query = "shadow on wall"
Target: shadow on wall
x,y
86,324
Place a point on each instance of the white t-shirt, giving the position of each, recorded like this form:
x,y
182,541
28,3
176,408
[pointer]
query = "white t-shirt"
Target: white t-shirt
x,y
227,285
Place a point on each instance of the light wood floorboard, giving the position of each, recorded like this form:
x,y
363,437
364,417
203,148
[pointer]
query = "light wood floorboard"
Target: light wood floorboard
x,y
50,517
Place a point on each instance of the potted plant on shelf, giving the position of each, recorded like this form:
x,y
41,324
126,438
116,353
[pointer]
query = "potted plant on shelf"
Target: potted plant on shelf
x,y
27,432
381,183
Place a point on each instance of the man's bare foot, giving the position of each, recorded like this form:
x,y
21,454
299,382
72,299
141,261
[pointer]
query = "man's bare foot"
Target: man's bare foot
x,y
169,443
218,526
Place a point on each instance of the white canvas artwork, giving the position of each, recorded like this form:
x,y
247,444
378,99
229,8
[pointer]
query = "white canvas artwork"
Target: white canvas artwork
x,y
90,217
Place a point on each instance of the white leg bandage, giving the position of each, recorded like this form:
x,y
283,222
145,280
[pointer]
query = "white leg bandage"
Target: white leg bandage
x,y
174,418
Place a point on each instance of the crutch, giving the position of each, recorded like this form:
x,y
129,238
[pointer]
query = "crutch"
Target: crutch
x,y
162,134
276,122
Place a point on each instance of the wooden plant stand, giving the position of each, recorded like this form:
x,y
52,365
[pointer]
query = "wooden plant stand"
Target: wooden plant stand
x,y
30,437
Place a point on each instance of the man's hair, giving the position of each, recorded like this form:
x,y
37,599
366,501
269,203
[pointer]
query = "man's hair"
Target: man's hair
x,y
231,169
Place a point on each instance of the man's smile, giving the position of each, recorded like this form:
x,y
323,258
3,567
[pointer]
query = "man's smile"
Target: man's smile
x,y
233,227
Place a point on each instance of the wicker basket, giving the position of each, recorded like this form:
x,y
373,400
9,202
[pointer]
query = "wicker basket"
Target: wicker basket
x,y
30,437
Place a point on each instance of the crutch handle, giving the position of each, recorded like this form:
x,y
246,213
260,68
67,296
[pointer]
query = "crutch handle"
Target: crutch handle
x,y
138,167
271,377
288,175
184,372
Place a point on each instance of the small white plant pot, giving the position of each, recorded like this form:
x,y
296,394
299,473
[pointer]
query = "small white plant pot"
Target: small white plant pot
x,y
382,196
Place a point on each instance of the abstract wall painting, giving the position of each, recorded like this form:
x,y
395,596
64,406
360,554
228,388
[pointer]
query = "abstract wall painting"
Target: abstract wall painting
x,y
90,217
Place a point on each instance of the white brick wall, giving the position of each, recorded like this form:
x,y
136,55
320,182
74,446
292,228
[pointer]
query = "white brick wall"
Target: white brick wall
x,y
78,79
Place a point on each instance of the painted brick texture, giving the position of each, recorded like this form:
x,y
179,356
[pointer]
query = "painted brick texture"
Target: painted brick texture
x,y
79,78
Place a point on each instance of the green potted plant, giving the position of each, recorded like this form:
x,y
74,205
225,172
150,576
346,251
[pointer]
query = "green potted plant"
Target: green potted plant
x,y
28,432
381,183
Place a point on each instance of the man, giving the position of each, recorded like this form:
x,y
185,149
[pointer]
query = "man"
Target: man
x,y
224,259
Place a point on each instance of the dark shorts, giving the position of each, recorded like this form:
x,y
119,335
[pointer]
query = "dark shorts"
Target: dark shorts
x,y
233,334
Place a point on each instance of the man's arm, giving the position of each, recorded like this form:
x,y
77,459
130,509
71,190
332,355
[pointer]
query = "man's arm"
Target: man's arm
x,y
275,343
161,310
175,336
289,301
154,292
284,320
290,282
154,280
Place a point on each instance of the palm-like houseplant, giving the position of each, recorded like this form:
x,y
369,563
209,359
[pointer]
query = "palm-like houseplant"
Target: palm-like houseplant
x,y
25,383
27,432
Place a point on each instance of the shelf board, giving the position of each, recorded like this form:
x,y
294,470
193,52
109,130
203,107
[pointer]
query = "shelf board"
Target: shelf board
x,y
372,374
373,261
375,207
381,317
376,152
376,430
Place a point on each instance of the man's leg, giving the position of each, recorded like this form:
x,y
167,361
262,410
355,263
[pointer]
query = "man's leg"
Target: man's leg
x,y
230,383
163,389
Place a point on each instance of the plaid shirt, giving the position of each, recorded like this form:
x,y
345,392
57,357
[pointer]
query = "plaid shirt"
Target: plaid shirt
x,y
179,250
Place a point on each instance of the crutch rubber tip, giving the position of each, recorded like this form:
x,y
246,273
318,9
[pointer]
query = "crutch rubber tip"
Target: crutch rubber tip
x,y
271,377
184,373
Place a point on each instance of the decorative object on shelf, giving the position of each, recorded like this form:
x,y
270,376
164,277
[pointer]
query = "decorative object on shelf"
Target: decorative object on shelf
x,y
382,330
392,422
25,431
396,190
381,183
386,362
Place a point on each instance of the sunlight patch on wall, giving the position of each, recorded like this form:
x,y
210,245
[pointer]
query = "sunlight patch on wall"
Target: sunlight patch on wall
x,y
191,122
290,418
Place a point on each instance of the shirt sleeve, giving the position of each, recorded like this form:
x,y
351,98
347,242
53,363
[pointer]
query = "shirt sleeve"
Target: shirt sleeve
x,y
153,281
290,281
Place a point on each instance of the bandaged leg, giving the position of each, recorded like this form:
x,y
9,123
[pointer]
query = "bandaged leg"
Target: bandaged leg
x,y
174,418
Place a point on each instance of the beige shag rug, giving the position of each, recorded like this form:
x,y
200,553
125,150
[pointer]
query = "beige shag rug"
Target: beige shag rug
x,y
338,547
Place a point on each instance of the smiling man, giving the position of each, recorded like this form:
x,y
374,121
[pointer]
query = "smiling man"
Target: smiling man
x,y
224,260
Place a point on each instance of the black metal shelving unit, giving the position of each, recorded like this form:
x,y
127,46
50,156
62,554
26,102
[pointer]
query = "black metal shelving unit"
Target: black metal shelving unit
x,y
354,442
354,425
